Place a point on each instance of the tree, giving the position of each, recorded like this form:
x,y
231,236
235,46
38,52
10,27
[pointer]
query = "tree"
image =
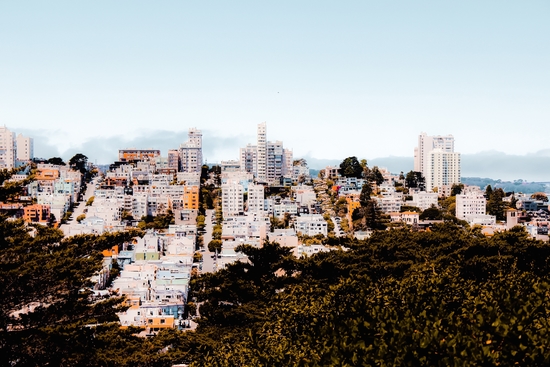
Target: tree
x,y
56,160
375,176
432,213
350,167
366,192
12,189
415,180
46,300
495,205
456,189
214,245
540,196
79,162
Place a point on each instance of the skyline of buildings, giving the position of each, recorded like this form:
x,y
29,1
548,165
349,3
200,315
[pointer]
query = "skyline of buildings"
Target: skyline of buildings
x,y
14,149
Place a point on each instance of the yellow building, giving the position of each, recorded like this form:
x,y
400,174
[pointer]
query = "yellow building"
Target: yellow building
x,y
191,197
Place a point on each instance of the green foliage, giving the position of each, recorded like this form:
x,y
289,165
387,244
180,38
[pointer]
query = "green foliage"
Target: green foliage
x,y
45,298
350,167
415,180
540,196
495,205
56,160
214,245
366,192
161,221
11,190
80,218
431,213
375,176
79,162
90,201
456,189
446,297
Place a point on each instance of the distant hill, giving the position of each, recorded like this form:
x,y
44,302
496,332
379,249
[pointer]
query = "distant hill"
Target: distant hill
x,y
508,186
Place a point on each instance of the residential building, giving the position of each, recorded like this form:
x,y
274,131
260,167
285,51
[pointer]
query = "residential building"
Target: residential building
x,y
190,152
443,169
25,148
436,159
311,225
129,155
256,197
232,198
7,148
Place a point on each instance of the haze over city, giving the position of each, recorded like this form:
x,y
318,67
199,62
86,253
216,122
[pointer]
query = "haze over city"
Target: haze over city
x,y
331,80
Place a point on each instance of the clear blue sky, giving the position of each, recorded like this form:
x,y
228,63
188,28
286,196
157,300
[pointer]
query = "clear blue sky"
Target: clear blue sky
x,y
332,79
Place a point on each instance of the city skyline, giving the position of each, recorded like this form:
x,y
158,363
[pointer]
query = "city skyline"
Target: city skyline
x,y
331,80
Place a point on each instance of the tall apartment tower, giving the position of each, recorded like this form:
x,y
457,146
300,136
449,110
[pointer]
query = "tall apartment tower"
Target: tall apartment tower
x,y
428,143
436,159
442,169
7,148
247,158
261,153
191,152
25,148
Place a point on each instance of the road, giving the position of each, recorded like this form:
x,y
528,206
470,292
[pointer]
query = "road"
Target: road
x,y
79,206
208,265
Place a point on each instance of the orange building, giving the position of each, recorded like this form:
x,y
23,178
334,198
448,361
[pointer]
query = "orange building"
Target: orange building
x,y
352,205
191,197
36,213
127,155
47,174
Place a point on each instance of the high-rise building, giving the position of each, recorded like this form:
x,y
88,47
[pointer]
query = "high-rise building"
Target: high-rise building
x,y
267,160
428,143
436,159
191,152
25,148
7,148
261,153
442,169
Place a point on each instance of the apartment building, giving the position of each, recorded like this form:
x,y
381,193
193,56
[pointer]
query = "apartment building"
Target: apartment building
x,y
268,161
25,148
256,198
7,148
232,198
436,159
311,225
190,152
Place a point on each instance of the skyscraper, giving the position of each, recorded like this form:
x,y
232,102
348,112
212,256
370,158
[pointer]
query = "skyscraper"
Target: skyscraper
x,y
436,159
261,153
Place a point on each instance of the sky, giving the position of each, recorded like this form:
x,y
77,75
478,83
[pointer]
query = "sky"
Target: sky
x,y
331,79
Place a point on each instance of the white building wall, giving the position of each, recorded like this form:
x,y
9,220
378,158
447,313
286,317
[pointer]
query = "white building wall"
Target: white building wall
x,y
232,198
7,148
443,169
25,148
470,204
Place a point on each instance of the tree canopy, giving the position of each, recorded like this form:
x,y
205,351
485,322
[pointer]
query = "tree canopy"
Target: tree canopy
x,y
350,167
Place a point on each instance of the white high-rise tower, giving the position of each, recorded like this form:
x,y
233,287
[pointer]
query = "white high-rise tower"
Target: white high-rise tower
x,y
261,153
436,159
